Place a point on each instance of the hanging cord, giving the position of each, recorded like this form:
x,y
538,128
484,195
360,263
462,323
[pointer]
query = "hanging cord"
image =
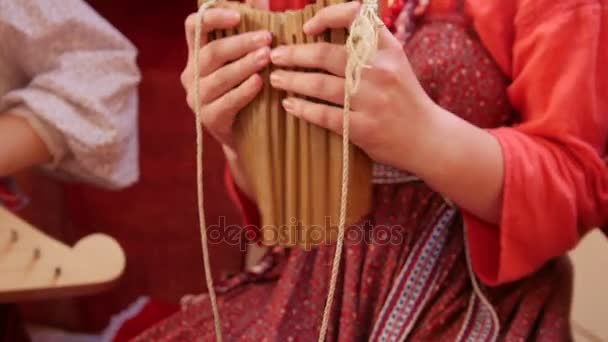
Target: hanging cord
x,y
199,166
361,45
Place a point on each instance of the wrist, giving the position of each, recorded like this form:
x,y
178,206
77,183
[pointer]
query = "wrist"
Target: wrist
x,y
424,140
236,169
458,159
229,153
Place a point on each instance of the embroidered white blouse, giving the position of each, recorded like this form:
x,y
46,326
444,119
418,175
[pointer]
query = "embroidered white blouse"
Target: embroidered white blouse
x,y
74,78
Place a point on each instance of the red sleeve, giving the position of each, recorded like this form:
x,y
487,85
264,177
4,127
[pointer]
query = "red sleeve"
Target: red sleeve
x,y
556,182
248,209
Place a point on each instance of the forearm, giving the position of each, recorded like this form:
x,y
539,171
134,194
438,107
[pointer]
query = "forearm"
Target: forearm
x,y
20,146
462,162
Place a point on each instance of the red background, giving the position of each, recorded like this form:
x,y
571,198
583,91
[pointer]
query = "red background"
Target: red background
x,y
155,221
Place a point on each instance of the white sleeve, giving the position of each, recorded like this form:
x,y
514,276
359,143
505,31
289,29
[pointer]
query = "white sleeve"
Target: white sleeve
x,y
81,89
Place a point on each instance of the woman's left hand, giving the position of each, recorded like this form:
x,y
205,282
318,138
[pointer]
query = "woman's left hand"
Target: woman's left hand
x,y
391,112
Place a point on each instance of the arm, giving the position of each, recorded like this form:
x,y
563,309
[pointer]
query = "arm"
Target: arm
x,y
391,112
76,89
550,182
462,162
20,146
530,192
237,174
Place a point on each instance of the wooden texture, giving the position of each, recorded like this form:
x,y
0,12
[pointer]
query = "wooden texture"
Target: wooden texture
x,y
294,168
34,266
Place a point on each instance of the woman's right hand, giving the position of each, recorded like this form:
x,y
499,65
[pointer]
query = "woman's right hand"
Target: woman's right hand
x,y
228,71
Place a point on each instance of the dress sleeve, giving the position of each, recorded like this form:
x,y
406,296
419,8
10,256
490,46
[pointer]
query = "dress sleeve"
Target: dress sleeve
x,y
78,89
248,209
555,179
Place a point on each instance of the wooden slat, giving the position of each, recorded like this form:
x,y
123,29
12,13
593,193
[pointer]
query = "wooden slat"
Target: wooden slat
x,y
293,167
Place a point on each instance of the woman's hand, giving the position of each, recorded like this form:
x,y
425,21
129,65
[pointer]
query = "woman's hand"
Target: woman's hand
x,y
229,66
391,113
228,78
392,117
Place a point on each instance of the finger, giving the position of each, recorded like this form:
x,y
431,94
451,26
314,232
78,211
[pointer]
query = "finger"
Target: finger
x,y
221,112
336,16
324,56
222,51
259,4
213,19
231,75
320,86
326,116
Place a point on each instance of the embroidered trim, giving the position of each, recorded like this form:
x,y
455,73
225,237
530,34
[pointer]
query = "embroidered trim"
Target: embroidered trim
x,y
413,285
481,322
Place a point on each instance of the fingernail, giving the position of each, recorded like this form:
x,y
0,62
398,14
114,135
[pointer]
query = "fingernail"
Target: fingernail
x,y
277,55
233,15
256,80
261,56
289,106
262,38
275,79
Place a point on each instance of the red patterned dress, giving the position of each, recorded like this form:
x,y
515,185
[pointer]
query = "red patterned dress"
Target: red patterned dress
x,y
417,284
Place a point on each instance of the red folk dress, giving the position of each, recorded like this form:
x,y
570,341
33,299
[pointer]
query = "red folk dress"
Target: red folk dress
x,y
417,268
